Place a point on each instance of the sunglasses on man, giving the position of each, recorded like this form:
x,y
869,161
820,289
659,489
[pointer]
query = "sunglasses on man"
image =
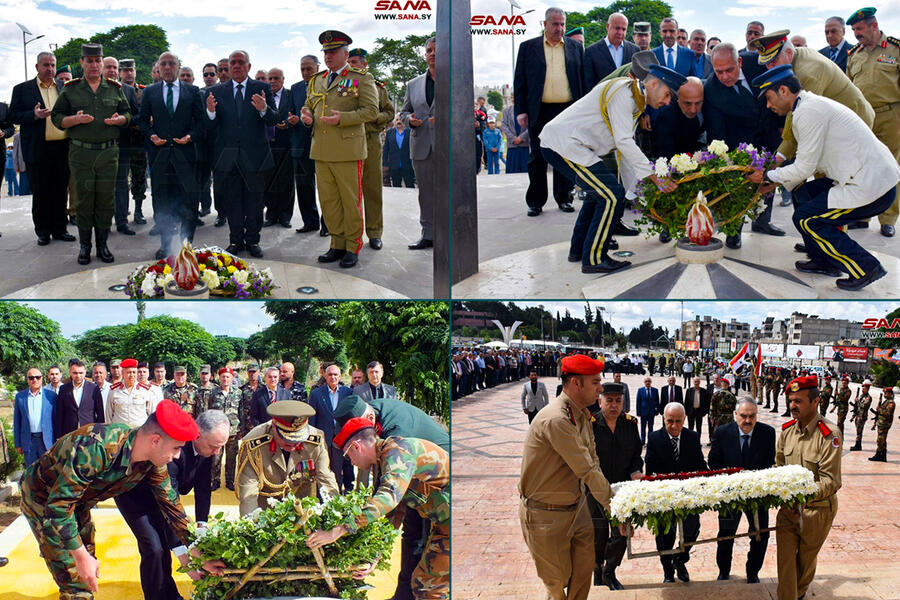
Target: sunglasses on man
x,y
34,377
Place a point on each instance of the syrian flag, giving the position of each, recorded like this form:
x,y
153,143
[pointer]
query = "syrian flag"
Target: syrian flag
x,y
740,359
758,368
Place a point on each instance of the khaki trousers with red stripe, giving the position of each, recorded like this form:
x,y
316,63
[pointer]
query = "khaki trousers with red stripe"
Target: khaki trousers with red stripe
x,y
340,194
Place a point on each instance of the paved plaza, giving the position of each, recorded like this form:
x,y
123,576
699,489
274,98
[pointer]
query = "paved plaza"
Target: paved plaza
x,y
491,561
33,271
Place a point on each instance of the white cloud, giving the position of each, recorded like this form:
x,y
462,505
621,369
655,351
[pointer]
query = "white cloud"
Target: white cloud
x,y
225,28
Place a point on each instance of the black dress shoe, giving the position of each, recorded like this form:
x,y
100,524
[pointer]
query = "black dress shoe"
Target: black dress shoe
x,y
333,255
64,237
566,207
598,577
268,223
533,212
161,254
349,260
375,243
204,212
421,244
774,410
608,265
800,248
623,229
574,258
234,248
858,225
887,230
668,577
752,578
199,223
664,237
285,224
723,577
73,220
323,230
139,218
733,241
809,266
682,572
306,229
254,250
220,220
125,230
852,284
786,413
43,240
766,228
613,244
609,578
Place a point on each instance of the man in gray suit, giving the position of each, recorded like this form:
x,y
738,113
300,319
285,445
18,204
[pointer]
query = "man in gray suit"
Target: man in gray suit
x,y
417,115
374,388
534,396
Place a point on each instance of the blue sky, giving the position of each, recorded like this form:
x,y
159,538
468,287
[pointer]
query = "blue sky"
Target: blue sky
x,y
725,19
240,319
276,33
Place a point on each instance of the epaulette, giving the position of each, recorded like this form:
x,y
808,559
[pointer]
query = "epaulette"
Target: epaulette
x,y
71,81
630,417
141,86
379,83
360,71
117,385
788,424
146,386
322,72
114,82
571,416
823,428
892,40
854,49
314,439
257,442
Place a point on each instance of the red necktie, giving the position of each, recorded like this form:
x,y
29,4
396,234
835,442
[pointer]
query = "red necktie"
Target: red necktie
x,y
271,396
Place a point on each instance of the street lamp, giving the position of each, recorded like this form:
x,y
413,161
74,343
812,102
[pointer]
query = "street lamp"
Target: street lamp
x,y
512,6
25,45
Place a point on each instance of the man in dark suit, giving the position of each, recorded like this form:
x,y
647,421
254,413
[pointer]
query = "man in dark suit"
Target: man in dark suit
x,y
33,418
543,89
670,392
702,67
748,444
837,48
239,112
374,388
301,139
130,147
669,53
324,400
79,402
279,195
678,128
45,150
696,406
673,449
171,117
648,406
266,395
603,57
396,156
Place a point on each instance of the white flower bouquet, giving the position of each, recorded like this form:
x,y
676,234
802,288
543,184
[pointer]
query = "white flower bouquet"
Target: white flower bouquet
x,y
661,502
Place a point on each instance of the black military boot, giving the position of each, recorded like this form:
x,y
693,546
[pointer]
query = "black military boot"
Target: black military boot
x,y
84,252
103,252
856,446
880,456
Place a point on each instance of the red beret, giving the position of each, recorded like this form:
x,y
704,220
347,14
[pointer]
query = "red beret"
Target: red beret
x,y
177,424
845,378
802,383
580,364
352,426
128,363
828,377
225,370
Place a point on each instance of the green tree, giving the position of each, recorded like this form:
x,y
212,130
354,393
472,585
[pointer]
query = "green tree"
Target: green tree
x,y
495,99
238,345
143,43
260,347
28,338
102,343
397,61
410,339
303,330
175,341
594,21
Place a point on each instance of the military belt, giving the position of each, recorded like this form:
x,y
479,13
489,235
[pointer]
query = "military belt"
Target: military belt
x,y
552,507
885,107
101,146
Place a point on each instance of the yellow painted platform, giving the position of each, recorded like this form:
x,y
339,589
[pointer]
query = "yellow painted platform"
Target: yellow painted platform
x,y
26,576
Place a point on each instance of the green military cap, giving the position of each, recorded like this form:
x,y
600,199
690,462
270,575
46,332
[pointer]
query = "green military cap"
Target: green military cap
x,y
64,69
575,31
333,39
863,13
179,369
359,52
349,407
91,50
253,367
291,419
126,63
642,27
205,369
769,46
115,362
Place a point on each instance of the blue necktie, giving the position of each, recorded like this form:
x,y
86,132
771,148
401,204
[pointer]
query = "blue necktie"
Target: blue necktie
x,y
834,52
670,62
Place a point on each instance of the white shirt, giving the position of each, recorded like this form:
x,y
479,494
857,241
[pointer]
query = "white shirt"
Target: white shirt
x,y
234,92
617,53
104,392
580,134
35,404
833,140
176,91
665,60
77,392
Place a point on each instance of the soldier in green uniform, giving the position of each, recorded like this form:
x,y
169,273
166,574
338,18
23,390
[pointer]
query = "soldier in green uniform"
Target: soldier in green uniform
x,y
283,455
371,179
721,406
770,382
138,158
412,474
825,395
874,67
227,398
91,464
861,412
339,102
247,391
4,458
884,418
91,110
778,381
181,390
842,403
205,391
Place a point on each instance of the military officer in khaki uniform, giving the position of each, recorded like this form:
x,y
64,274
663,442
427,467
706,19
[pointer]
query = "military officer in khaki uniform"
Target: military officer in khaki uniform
x,y
558,461
372,180
874,67
92,110
815,443
339,102
283,455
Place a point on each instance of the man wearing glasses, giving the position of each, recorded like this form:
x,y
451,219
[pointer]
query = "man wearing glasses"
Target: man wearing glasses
x,y
33,418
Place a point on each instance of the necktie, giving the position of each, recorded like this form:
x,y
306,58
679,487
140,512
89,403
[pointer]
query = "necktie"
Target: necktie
x,y
670,62
331,77
745,449
239,101
170,104
834,52
675,448
271,396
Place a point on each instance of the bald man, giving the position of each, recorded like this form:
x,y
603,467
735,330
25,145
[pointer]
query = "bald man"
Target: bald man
x,y
678,127
279,196
610,53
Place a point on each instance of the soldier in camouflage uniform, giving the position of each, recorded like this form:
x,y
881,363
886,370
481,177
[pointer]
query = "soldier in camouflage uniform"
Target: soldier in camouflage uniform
x,y
861,412
769,382
825,396
227,398
247,391
884,418
205,391
4,458
842,403
413,474
181,391
92,464
779,379
721,406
